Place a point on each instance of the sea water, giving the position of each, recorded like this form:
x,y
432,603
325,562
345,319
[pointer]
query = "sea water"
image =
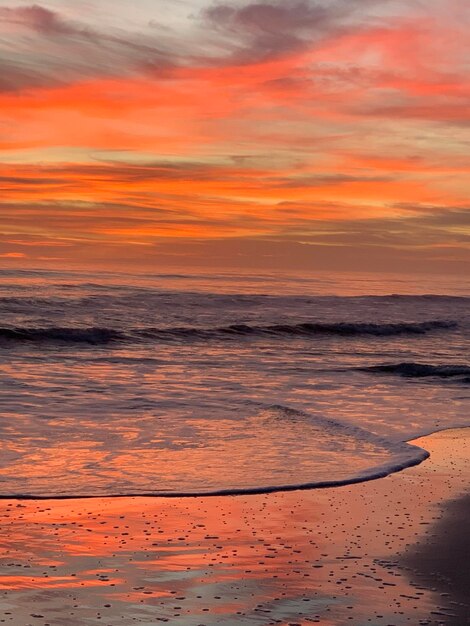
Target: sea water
x,y
185,384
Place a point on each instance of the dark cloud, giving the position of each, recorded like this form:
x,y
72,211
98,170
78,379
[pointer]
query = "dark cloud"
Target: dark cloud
x,y
322,180
451,217
451,111
157,170
76,174
71,175
9,181
39,19
436,209
262,30
94,220
52,50
443,226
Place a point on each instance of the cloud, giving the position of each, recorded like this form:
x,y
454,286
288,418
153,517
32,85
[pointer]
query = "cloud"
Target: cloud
x,y
112,222
329,107
13,255
311,235
37,243
335,59
264,30
40,47
322,180
21,181
39,19
38,178
445,226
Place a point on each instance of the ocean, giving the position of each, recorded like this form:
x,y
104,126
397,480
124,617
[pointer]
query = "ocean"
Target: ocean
x,y
195,384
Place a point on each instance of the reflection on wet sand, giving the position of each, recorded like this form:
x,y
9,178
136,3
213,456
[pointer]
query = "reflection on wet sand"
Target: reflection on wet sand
x,y
330,557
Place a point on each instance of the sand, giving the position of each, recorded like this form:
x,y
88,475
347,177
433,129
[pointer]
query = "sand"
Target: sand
x,y
388,552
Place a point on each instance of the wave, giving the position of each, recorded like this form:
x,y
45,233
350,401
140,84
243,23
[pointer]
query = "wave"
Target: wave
x,y
285,428
416,297
28,300
96,335
61,334
422,370
343,329
417,456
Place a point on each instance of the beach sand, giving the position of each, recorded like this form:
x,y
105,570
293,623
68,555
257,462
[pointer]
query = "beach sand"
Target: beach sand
x,y
387,552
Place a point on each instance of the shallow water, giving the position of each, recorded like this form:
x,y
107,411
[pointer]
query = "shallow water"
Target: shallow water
x,y
173,384
330,557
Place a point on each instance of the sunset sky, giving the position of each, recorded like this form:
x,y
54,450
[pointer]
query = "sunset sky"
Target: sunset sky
x,y
276,135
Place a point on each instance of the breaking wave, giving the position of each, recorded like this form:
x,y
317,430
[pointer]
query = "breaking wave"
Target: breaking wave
x,y
97,335
242,456
422,370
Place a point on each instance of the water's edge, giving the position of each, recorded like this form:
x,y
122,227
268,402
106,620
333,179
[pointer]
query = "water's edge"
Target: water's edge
x,y
376,473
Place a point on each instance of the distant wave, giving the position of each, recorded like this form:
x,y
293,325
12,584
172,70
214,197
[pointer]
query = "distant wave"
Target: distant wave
x,y
28,300
422,370
95,335
413,297
344,329
59,334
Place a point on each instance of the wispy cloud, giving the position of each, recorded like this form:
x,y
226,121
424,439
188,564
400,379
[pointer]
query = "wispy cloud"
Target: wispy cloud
x,y
41,47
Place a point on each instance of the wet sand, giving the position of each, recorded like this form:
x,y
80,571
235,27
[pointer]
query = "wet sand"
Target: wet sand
x,y
386,552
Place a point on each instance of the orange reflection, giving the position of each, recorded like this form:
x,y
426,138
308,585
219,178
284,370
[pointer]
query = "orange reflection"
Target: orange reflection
x,y
319,556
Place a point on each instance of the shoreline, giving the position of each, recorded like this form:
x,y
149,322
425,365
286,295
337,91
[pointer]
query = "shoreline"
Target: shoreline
x,y
375,473
328,556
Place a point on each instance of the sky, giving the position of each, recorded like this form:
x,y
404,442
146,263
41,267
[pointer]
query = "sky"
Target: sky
x,y
284,135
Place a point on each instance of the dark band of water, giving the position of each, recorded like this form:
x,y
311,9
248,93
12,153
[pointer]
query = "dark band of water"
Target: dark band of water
x,y
102,336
